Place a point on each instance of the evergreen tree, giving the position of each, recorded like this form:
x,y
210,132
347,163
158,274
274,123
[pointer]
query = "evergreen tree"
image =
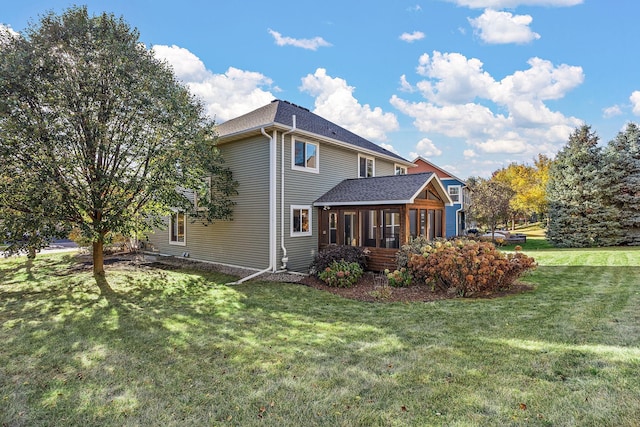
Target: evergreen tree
x,y
580,214
622,170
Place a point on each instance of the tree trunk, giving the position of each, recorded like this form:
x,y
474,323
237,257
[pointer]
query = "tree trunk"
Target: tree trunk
x,y
98,257
31,254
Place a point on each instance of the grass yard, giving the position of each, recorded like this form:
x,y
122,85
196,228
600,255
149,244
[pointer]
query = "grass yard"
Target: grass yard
x,y
181,348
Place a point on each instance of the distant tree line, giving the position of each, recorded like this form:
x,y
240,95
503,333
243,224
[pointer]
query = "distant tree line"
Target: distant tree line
x,y
589,194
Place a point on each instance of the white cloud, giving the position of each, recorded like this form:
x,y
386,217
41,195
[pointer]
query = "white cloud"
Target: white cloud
x,y
411,37
452,78
469,154
335,102
405,86
496,27
507,116
426,148
612,111
416,8
635,102
7,31
227,95
310,44
502,4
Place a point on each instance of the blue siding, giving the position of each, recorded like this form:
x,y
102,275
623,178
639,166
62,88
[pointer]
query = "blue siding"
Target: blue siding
x,y
451,211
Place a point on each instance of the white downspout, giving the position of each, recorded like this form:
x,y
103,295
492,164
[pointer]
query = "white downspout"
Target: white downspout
x,y
272,210
285,259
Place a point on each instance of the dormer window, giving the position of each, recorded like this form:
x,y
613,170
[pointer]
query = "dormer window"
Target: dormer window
x,y
304,156
366,167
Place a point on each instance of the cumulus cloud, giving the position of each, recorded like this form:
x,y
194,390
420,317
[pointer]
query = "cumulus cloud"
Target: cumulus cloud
x,y
503,4
335,102
612,111
425,148
635,102
496,27
227,95
310,44
469,154
412,37
461,100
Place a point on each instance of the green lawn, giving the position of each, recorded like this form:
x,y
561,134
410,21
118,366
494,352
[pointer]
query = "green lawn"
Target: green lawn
x,y
181,348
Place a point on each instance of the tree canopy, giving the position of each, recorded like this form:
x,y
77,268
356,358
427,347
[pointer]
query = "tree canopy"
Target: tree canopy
x,y
99,134
491,201
580,211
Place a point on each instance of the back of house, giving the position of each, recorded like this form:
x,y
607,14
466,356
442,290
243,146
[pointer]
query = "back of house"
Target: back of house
x,y
285,160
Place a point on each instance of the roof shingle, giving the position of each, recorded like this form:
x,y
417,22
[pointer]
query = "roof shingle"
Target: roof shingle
x,y
393,189
281,112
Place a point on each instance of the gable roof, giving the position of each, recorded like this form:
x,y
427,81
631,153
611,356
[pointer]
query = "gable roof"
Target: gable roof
x,y
447,175
280,114
382,190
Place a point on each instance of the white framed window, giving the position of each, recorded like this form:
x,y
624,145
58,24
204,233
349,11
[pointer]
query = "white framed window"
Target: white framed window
x,y
400,170
178,229
304,156
300,220
366,166
454,193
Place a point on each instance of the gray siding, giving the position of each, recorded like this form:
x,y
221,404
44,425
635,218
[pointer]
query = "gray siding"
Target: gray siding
x,y
303,188
244,241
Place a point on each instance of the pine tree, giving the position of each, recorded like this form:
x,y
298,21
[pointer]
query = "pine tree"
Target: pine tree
x,y
623,172
580,213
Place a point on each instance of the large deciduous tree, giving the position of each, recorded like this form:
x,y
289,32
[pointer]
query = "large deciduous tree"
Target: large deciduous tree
x,y
100,134
580,212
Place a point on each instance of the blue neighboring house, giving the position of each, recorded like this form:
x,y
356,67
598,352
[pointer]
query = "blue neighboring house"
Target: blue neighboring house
x,y
456,214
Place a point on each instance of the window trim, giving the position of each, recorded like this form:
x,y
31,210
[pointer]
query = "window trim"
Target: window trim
x,y
399,166
293,156
459,187
294,233
373,166
175,214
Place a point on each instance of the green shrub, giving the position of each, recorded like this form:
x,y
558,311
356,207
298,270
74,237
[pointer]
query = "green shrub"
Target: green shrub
x,y
330,254
341,274
468,267
399,278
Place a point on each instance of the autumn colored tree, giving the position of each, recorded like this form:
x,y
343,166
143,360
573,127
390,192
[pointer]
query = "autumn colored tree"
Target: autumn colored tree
x,y
528,183
100,130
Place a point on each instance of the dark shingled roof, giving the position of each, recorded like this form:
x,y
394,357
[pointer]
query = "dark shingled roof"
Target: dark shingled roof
x,y
394,189
281,112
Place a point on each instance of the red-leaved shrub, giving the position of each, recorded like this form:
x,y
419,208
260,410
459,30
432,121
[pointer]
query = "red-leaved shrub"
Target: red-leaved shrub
x,y
467,267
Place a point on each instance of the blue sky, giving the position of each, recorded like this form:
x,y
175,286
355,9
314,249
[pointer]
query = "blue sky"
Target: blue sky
x,y
471,85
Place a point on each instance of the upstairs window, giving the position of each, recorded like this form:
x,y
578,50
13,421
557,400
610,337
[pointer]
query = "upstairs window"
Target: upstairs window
x,y
401,170
454,193
366,167
304,156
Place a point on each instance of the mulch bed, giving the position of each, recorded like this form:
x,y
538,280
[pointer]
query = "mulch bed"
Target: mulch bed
x,y
372,288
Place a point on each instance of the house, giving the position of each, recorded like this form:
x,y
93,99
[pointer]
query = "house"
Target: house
x,y
305,183
458,192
